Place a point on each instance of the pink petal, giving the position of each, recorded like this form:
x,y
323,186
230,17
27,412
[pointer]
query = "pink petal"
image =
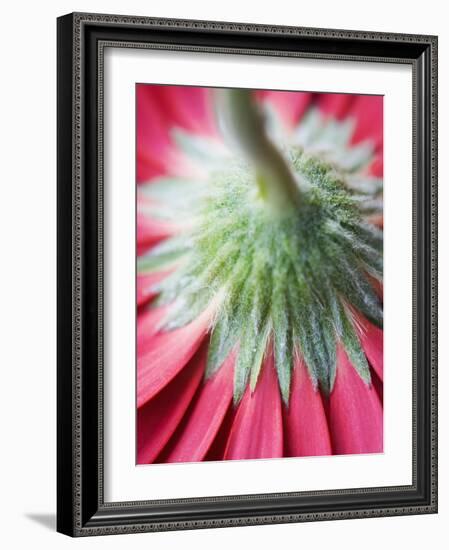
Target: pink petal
x,y
377,166
372,340
355,412
148,168
257,428
167,353
335,105
217,449
306,428
206,417
156,153
368,111
151,231
153,143
158,419
377,220
147,326
290,106
190,108
145,284
378,385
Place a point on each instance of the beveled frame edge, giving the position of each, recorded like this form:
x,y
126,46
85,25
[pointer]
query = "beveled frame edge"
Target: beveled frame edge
x,y
78,516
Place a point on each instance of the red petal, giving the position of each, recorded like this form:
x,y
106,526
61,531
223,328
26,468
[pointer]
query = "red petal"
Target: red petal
x,y
335,105
156,154
217,449
190,108
355,412
378,385
153,143
368,110
257,428
290,106
377,167
206,417
306,428
151,231
378,221
147,326
158,419
168,353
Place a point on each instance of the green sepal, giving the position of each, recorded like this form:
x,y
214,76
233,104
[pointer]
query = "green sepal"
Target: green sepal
x,y
185,311
163,255
371,205
358,291
357,157
198,148
252,310
300,330
331,349
172,199
245,360
318,351
361,252
221,343
151,264
231,320
173,190
282,331
368,185
262,347
283,355
354,350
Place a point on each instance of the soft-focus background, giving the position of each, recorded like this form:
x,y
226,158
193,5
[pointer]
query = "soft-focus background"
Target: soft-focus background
x,y
27,289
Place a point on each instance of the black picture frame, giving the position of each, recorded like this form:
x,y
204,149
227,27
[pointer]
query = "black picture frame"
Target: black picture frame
x,y
81,509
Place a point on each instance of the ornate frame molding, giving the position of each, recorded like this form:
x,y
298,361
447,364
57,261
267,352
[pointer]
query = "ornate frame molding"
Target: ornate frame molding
x,y
81,41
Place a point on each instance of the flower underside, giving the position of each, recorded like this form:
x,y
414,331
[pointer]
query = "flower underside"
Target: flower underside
x,y
294,282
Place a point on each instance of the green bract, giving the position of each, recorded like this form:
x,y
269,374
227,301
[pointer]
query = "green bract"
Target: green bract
x,y
292,280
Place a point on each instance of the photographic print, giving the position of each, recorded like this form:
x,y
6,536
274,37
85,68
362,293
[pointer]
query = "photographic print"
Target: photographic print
x,y
259,297
224,254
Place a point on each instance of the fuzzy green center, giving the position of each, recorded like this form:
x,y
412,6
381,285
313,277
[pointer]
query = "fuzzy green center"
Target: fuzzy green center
x,y
288,280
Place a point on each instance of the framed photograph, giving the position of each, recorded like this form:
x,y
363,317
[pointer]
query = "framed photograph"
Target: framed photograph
x,y
246,274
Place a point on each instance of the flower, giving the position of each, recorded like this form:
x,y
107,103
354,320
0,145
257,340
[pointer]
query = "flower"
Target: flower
x,y
259,286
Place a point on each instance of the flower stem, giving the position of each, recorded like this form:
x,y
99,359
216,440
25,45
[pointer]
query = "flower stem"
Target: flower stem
x,y
243,124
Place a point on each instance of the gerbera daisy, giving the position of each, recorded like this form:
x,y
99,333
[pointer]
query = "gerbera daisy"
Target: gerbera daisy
x,y
259,286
